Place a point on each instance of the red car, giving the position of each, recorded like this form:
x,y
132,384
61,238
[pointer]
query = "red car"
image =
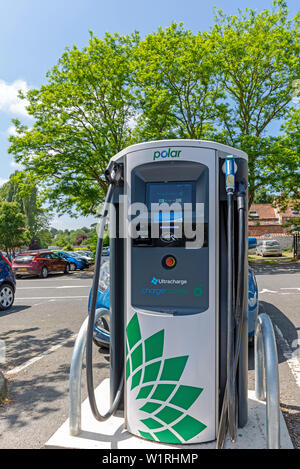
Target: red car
x,y
39,263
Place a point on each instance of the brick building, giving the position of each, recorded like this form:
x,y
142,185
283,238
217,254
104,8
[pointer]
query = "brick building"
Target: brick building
x,y
266,219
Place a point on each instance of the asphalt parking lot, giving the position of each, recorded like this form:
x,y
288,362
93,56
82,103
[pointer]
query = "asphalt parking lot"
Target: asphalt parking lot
x,y
279,295
39,333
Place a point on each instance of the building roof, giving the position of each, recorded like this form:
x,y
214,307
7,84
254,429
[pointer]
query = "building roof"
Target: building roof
x,y
264,212
288,213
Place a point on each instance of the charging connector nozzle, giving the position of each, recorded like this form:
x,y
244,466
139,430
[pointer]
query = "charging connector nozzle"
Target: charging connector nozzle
x,y
230,170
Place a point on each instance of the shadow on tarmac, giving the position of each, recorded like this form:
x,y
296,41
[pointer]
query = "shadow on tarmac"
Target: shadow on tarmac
x,y
13,309
286,327
275,269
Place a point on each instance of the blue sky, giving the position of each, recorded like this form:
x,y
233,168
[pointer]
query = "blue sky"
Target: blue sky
x,y
34,34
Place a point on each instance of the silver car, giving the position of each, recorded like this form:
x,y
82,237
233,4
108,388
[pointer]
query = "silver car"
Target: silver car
x,y
270,247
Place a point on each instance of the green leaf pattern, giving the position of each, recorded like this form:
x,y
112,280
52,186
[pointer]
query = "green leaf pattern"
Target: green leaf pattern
x,y
164,399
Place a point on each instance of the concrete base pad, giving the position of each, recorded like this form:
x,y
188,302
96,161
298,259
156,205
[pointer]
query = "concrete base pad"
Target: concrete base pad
x,y
112,434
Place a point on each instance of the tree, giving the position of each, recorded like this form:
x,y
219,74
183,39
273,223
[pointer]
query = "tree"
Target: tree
x,y
22,188
80,238
288,182
258,55
45,238
293,224
82,118
62,240
263,197
13,231
229,84
179,93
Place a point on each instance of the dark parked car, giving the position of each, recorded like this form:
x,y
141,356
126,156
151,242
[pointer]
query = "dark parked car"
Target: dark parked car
x,y
39,263
7,284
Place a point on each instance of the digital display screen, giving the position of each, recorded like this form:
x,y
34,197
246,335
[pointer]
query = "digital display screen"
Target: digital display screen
x,y
169,193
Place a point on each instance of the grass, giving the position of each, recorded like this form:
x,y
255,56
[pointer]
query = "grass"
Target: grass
x,y
287,256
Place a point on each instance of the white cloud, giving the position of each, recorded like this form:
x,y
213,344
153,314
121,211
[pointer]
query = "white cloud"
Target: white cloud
x,y
9,100
3,181
66,222
16,165
12,130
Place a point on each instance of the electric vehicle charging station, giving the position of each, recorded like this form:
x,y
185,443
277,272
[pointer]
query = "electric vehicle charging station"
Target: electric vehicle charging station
x,y
179,347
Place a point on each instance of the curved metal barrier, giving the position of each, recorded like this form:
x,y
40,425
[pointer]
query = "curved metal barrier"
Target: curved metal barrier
x,y
75,376
265,351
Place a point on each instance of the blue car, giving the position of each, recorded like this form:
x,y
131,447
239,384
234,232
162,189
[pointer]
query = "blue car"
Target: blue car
x,y
75,262
102,324
253,304
7,284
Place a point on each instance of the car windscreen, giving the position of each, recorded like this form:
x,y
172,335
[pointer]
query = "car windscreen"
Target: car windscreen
x,y
23,259
272,243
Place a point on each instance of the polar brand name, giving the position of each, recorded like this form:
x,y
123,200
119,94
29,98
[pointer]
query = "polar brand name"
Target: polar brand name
x,y
166,154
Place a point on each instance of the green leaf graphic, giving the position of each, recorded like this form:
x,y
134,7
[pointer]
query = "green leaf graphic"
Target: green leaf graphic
x,y
166,402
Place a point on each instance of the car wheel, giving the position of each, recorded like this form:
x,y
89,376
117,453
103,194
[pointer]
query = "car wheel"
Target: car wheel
x,y
44,272
7,297
67,269
72,267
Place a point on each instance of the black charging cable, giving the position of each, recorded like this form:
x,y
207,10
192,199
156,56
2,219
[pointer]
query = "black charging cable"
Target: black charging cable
x,y
114,175
228,414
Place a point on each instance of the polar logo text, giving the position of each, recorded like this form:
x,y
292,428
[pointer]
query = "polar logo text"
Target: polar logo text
x,y
166,154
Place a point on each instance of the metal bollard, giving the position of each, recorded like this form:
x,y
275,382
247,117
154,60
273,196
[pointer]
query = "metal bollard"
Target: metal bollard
x,y
75,377
266,358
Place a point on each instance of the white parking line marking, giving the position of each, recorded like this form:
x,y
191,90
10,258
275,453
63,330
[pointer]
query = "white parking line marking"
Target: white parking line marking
x,y
50,297
290,356
265,290
33,360
64,286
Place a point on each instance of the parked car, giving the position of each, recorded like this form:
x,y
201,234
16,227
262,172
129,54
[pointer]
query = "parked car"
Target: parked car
x,y
102,324
106,251
75,262
253,304
269,247
86,253
79,257
87,257
39,263
7,284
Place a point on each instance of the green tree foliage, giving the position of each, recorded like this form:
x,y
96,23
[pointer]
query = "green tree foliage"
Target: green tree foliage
x,y
82,118
230,84
13,231
179,93
259,58
22,189
293,225
263,197
45,239
287,177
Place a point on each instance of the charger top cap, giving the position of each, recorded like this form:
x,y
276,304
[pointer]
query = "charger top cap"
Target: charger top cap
x,y
165,149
